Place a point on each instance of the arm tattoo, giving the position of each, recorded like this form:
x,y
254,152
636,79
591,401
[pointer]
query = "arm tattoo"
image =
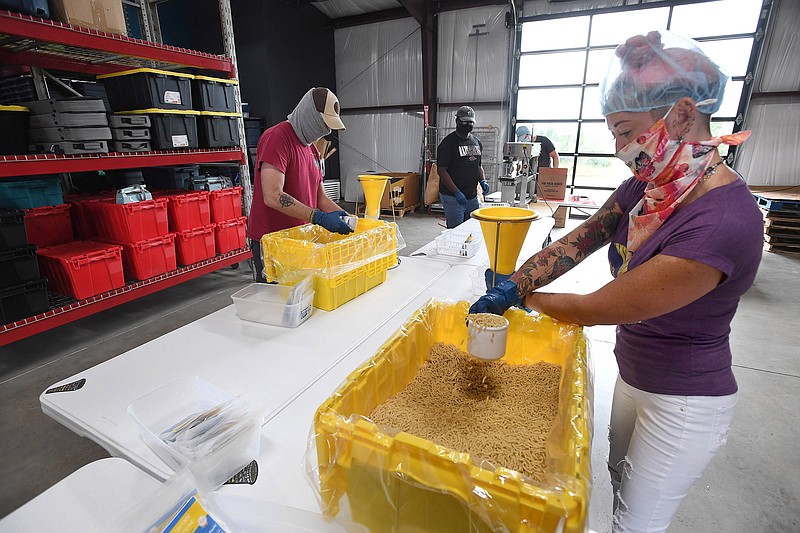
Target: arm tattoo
x,y
285,200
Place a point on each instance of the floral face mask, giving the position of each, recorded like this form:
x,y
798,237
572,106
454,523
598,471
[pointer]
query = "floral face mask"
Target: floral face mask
x,y
671,168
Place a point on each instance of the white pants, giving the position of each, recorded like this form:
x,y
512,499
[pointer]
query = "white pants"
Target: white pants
x,y
659,446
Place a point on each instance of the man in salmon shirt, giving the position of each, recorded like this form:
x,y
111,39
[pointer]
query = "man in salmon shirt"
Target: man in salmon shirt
x,y
288,190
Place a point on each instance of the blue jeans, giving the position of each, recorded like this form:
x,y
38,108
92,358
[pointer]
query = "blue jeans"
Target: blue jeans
x,y
455,213
258,261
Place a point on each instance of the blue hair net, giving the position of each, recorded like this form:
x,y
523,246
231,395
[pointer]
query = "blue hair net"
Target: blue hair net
x,y
521,132
656,70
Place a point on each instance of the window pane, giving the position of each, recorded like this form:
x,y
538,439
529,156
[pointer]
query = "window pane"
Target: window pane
x,y
598,65
730,102
728,16
614,28
591,103
599,198
601,172
596,139
552,69
563,134
719,129
732,55
553,34
547,104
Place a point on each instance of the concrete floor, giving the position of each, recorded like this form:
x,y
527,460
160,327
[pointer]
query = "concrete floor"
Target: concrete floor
x,y
752,485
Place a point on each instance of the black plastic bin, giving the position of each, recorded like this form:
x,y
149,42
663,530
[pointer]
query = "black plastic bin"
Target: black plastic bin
x,y
213,94
18,266
253,128
23,300
172,130
170,177
13,129
35,8
218,130
146,88
12,229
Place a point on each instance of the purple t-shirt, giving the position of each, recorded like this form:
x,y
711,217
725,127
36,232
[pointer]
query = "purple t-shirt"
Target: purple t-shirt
x,y
686,352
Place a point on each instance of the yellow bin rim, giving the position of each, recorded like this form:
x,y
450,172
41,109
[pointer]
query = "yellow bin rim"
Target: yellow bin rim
x,y
372,177
504,214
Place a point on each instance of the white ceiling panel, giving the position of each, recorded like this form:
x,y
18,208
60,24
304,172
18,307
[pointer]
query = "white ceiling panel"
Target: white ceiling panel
x,y
345,8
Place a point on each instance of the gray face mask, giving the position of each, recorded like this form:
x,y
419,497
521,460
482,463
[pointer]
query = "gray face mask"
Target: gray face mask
x,y
307,121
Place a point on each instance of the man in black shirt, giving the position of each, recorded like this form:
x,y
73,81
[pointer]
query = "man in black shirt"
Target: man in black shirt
x,y
548,153
458,159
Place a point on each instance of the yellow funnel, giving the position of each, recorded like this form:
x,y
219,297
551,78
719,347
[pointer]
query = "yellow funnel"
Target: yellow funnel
x,y
373,185
504,230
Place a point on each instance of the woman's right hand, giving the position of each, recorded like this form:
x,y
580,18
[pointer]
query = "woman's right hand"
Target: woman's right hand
x,y
498,299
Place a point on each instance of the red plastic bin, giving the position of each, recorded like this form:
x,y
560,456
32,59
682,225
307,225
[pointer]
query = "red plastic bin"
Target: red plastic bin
x,y
82,269
146,259
83,223
226,204
134,222
194,245
188,210
230,235
48,225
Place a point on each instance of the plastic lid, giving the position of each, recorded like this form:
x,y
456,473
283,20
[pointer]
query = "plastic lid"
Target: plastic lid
x,y
218,80
154,111
219,114
17,108
144,70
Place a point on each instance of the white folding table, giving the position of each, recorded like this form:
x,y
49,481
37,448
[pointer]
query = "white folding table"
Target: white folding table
x,y
266,365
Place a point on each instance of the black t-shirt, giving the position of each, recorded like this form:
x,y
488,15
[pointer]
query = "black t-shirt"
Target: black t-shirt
x,y
462,160
547,146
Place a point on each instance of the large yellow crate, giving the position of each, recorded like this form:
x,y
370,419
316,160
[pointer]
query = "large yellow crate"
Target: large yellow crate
x,y
399,482
343,266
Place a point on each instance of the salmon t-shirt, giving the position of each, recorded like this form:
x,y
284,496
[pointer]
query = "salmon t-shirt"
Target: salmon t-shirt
x,y
300,164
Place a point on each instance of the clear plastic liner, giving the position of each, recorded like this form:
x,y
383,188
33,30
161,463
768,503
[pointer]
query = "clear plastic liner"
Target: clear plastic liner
x,y
294,253
394,481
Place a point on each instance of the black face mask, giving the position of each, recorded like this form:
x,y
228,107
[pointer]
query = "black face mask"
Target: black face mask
x,y
463,128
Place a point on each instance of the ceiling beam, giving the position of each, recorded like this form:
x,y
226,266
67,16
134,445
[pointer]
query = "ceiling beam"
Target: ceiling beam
x,y
369,18
417,9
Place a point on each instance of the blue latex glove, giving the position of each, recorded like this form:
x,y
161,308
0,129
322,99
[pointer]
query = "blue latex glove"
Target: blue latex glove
x,y
460,198
332,221
485,187
489,275
498,299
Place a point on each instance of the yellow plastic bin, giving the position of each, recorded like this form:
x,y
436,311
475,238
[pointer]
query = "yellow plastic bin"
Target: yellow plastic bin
x,y
400,482
343,266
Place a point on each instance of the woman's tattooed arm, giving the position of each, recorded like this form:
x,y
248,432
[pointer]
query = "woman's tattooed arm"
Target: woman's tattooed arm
x,y
565,253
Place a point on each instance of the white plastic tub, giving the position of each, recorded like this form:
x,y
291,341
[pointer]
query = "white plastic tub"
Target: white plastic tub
x,y
163,408
266,304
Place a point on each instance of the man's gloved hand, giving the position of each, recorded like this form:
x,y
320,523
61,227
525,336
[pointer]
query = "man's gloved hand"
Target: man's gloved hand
x,y
498,299
484,187
460,198
489,276
332,221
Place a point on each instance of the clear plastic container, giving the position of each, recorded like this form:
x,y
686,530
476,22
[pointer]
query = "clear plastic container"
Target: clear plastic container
x,y
478,280
266,304
458,243
163,408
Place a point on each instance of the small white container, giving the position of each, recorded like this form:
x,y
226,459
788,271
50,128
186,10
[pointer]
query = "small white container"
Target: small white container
x,y
478,277
266,304
163,408
458,243
487,343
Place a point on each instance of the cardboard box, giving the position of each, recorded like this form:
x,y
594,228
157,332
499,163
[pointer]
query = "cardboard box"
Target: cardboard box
x,y
404,189
103,15
560,216
552,183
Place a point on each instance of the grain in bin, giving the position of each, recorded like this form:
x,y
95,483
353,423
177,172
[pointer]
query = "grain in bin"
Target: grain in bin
x,y
394,479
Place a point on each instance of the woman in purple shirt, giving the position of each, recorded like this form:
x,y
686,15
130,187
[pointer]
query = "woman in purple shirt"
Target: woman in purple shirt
x,y
685,240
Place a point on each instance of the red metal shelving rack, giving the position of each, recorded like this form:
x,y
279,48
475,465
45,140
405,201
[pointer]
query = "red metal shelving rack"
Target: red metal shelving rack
x,y
31,41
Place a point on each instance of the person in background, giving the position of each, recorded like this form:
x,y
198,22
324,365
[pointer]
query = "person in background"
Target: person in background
x,y
458,159
685,239
548,156
288,191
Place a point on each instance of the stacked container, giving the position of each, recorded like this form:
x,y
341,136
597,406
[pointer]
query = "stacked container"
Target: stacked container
x,y
23,292
47,218
189,215
82,269
13,129
226,215
164,97
130,133
68,126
